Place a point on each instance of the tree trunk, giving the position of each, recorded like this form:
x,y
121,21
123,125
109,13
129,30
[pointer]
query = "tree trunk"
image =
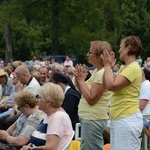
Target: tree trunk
x,y
55,27
8,55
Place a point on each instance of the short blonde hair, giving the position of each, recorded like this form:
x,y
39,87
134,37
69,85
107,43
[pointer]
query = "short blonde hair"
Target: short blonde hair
x,y
100,46
52,92
25,98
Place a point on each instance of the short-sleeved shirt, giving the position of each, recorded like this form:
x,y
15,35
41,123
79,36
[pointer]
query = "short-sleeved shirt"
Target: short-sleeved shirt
x,y
7,88
33,86
145,94
124,101
97,111
68,63
25,126
59,124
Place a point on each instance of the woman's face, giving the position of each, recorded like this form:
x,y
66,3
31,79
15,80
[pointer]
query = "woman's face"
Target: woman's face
x,y
123,51
41,103
92,56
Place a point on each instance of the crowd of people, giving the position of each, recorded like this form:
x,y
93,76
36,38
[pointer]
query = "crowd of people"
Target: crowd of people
x,y
41,102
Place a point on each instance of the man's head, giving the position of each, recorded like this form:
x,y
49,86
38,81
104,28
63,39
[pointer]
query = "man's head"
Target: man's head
x,y
44,72
23,74
3,77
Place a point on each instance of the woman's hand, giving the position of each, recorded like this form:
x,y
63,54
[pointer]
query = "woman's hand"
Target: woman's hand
x,y
108,58
79,73
3,134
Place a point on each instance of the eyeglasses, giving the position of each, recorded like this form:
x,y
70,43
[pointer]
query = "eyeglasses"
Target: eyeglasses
x,y
91,53
19,107
38,97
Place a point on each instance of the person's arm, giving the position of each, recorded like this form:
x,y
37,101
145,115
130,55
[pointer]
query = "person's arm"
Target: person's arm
x,y
114,82
91,95
13,111
16,141
52,142
142,104
11,128
146,131
110,81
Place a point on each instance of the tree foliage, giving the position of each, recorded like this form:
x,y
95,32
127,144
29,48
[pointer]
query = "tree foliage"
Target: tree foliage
x,y
45,27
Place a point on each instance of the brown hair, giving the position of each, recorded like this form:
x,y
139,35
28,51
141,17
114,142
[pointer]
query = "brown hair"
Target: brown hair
x,y
135,45
25,98
37,76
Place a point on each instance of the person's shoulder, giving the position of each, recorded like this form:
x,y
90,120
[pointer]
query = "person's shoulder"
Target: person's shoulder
x,y
39,114
73,92
34,81
61,114
146,83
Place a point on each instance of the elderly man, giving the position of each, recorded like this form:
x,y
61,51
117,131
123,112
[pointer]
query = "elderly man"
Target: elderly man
x,y
6,86
27,83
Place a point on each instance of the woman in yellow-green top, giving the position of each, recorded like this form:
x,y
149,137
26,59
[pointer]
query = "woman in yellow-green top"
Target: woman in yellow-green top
x,y
125,117
94,102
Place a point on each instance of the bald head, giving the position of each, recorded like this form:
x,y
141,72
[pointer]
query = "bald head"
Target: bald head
x,y
23,74
22,69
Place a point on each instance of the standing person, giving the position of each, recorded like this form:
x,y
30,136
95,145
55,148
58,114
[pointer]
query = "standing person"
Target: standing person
x,y
144,98
126,121
33,62
68,61
94,101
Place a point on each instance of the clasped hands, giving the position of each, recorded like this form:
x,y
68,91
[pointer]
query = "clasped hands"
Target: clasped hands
x,y
79,73
108,58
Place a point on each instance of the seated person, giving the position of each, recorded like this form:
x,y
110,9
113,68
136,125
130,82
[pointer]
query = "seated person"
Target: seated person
x,y
72,96
7,89
18,134
55,131
8,102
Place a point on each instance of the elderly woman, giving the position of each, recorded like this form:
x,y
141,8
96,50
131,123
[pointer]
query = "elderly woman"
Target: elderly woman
x,y
126,121
19,133
93,104
55,131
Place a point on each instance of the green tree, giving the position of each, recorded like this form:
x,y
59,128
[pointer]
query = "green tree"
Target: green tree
x,y
136,21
